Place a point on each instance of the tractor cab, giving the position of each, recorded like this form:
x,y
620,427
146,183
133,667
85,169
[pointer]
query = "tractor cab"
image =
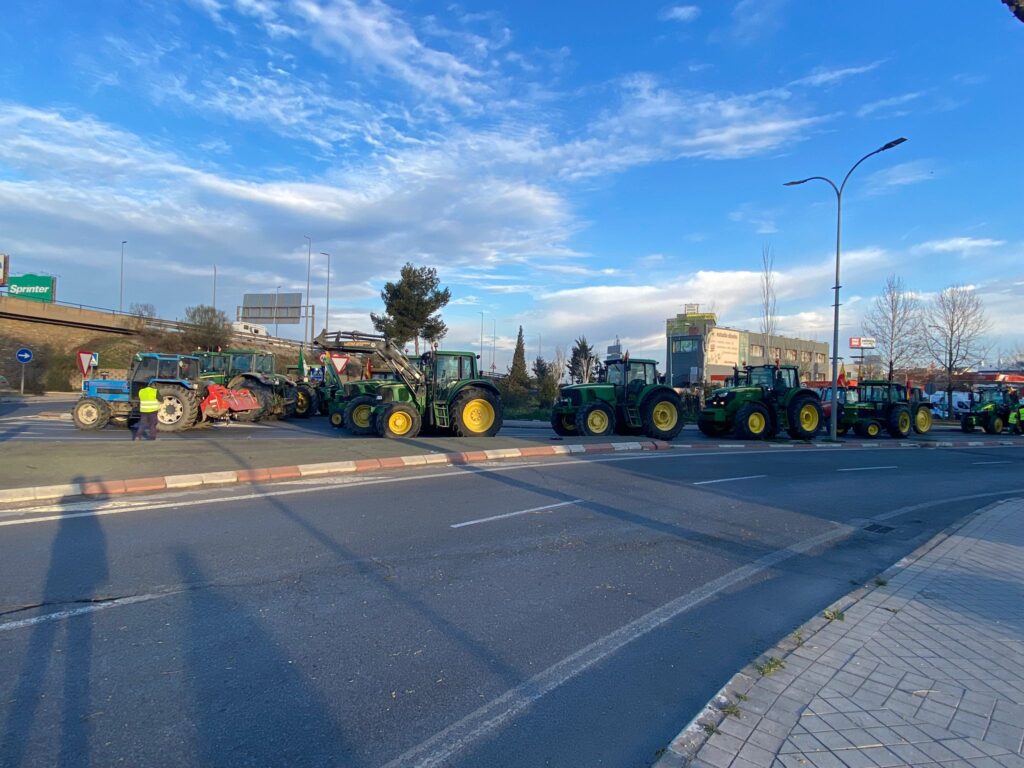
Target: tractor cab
x,y
629,377
445,370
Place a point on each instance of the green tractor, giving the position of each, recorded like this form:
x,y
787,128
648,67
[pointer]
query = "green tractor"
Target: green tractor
x,y
761,401
627,398
884,405
443,391
277,395
990,410
351,380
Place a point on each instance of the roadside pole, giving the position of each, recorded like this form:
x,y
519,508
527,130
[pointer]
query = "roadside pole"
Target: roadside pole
x,y
23,356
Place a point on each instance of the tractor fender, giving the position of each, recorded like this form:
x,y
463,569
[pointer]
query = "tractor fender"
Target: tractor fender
x,y
175,382
799,392
477,384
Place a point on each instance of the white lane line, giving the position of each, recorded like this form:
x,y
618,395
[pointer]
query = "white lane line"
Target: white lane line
x,y
729,479
91,608
515,514
440,748
991,462
866,469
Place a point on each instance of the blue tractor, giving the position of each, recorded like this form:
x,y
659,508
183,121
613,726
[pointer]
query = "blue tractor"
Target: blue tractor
x,y
175,377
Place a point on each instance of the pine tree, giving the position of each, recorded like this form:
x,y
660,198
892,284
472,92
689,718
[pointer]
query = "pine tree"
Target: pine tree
x,y
410,306
515,387
583,364
547,382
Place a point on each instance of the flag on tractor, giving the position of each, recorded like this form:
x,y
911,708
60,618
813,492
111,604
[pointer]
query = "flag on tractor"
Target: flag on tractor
x,y
302,365
841,381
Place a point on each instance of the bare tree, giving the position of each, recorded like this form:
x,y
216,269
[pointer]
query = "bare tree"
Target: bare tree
x,y
768,314
558,364
894,320
954,325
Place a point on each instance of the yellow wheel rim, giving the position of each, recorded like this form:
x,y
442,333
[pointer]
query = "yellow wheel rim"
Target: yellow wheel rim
x,y
399,422
872,430
361,416
478,415
809,417
923,419
597,421
665,416
904,422
756,423
336,419
88,414
997,425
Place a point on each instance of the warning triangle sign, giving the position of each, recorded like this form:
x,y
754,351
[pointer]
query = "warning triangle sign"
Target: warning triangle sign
x,y
84,361
339,361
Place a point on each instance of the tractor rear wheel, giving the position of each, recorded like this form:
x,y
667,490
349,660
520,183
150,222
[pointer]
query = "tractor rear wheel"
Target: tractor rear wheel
x,y
305,401
995,425
595,419
753,422
900,423
178,408
662,416
476,413
868,428
263,397
923,421
358,416
804,415
90,413
564,424
399,420
289,402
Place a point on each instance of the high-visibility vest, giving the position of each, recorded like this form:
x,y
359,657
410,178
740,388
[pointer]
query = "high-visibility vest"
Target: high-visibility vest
x,y
148,402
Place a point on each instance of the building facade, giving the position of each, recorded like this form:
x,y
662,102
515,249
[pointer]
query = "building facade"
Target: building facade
x,y
699,351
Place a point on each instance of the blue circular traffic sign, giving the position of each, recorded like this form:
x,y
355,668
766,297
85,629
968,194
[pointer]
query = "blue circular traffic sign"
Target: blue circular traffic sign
x,y
24,355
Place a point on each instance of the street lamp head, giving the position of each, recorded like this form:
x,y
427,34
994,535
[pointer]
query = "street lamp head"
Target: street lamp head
x,y
124,242
794,183
324,253
893,143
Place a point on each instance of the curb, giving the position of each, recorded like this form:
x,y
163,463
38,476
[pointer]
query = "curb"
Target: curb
x,y
685,748
293,472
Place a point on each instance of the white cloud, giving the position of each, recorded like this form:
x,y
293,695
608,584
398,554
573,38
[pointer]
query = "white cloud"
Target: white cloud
x,y
762,219
957,245
825,76
901,175
754,19
887,106
681,13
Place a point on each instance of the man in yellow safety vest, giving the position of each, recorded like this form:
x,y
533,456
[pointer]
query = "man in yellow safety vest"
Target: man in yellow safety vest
x,y
149,405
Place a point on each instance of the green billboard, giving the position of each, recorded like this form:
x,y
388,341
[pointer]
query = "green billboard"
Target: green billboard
x,y
34,287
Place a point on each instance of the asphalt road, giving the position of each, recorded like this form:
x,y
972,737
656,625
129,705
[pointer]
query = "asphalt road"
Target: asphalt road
x,y
562,613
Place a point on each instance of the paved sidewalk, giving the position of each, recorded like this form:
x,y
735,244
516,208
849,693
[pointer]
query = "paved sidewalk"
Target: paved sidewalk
x,y
925,670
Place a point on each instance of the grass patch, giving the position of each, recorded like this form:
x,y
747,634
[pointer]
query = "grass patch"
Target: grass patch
x,y
834,614
710,729
731,710
741,697
880,582
798,638
770,667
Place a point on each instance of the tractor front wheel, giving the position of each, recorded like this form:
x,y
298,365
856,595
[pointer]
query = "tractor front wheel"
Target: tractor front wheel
x,y
923,421
90,413
305,401
899,425
476,413
178,408
753,422
358,418
595,419
995,425
662,416
564,424
337,419
399,420
868,428
804,414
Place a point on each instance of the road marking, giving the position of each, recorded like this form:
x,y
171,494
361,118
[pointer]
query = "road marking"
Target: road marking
x,y
729,479
440,748
515,514
991,462
91,608
866,469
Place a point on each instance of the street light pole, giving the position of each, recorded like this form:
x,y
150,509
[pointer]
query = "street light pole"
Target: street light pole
x,y
327,311
309,262
276,292
833,421
120,296
214,286
481,336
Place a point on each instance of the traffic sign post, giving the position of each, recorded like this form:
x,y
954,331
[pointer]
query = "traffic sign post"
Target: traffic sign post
x,y
85,361
24,356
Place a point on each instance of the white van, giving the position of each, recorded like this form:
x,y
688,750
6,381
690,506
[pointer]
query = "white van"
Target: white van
x,y
251,329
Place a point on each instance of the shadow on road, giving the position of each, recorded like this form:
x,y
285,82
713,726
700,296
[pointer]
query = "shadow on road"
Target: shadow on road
x,y
78,567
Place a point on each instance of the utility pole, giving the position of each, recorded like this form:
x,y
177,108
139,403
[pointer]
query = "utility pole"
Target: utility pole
x,y
494,344
481,336
120,300
309,263
327,313
214,286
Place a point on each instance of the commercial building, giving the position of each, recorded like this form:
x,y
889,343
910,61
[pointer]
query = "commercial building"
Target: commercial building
x,y
699,351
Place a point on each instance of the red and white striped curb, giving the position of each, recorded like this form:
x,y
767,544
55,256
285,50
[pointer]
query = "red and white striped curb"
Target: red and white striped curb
x,y
297,471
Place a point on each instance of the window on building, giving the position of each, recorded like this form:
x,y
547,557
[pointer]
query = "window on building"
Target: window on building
x,y
684,345
791,355
756,350
819,357
805,357
776,353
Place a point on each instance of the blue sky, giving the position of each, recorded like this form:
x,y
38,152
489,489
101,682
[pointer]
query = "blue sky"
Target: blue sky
x,y
573,167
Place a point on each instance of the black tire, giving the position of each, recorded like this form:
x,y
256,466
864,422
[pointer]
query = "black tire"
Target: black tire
x,y
179,408
289,401
840,431
662,415
995,425
900,424
358,416
91,413
711,428
399,420
337,419
595,419
564,424
867,428
476,412
805,416
263,397
967,424
752,422
305,401
923,420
